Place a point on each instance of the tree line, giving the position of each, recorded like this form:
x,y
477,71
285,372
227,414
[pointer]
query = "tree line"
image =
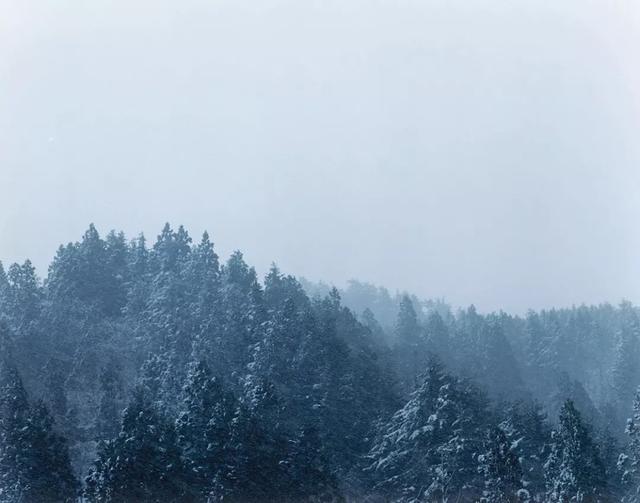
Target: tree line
x,y
159,374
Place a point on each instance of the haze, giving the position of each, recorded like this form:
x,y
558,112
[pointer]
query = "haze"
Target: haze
x,y
481,151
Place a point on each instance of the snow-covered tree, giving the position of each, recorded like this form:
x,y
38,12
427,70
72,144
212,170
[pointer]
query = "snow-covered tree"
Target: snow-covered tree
x,y
107,424
427,451
500,467
204,429
34,460
309,388
410,347
626,371
574,469
143,463
629,461
525,425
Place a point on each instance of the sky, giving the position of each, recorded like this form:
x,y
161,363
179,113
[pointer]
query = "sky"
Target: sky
x,y
483,151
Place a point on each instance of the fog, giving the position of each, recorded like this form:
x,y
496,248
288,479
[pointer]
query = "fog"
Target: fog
x,y
481,151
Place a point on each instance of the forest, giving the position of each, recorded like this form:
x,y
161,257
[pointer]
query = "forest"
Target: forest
x,y
157,372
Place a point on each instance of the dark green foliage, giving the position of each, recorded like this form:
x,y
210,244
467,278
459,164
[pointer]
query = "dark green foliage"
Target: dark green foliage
x,y
310,473
254,470
34,460
143,463
253,391
574,469
410,348
22,296
4,289
107,422
501,469
438,339
54,385
527,430
499,373
426,452
626,371
91,272
204,428
629,461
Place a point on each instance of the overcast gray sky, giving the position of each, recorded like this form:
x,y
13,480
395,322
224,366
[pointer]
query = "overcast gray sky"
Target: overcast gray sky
x,y
485,151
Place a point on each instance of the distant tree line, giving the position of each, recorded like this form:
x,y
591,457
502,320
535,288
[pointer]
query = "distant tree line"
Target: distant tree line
x,y
137,373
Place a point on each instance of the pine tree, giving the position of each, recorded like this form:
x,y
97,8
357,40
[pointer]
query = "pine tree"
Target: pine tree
x,y
310,477
369,320
500,468
203,277
526,427
14,417
575,391
629,461
171,249
137,283
54,385
23,299
158,380
255,470
51,478
609,450
574,469
499,373
114,291
204,429
281,336
538,351
142,464
439,342
410,349
407,328
168,316
241,315
107,424
4,290
626,372
88,272
34,460
426,452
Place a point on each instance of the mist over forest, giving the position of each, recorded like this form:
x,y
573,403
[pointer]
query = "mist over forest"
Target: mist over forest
x,y
450,190
155,371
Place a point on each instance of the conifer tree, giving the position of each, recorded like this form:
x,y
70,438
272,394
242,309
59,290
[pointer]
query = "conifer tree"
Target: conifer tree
x,y
34,460
439,342
500,468
255,470
499,372
426,452
574,469
310,473
4,290
24,296
143,463
203,278
629,461
137,277
369,320
410,348
525,426
54,385
50,475
626,372
14,417
309,389
107,424
204,429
